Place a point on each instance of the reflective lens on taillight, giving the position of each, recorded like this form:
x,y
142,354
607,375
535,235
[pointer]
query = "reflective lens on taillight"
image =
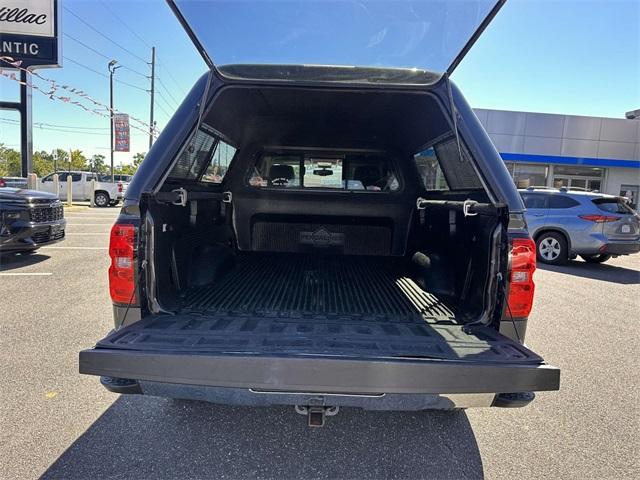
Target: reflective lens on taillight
x,y
600,218
521,286
121,271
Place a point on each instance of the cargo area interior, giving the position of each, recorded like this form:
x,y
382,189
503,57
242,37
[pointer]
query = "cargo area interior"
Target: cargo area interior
x,y
290,267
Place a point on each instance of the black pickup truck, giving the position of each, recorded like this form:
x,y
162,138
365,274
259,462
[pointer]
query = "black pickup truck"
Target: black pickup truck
x,y
323,236
29,220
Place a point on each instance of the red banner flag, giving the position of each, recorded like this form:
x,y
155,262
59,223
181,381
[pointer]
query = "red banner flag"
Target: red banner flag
x,y
121,132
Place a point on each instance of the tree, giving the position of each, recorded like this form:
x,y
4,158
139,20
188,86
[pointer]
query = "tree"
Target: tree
x,y
10,162
97,162
138,158
127,169
78,160
42,163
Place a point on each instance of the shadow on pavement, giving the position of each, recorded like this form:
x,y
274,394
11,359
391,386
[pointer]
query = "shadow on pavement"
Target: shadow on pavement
x,y
10,261
145,437
600,271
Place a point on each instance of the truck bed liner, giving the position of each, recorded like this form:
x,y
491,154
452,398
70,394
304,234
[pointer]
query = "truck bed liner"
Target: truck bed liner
x,y
342,287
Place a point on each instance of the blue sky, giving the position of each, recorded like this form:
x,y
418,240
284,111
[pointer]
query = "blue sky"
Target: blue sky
x,y
576,57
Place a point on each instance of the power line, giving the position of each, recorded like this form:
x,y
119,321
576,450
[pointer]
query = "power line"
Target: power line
x,y
106,57
104,74
55,125
63,130
169,104
85,67
125,24
51,94
163,110
168,91
168,72
105,36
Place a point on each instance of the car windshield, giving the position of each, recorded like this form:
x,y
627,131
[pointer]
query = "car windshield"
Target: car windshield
x,y
423,34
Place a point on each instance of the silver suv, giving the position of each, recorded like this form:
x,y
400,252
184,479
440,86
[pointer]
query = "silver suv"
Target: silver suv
x,y
566,223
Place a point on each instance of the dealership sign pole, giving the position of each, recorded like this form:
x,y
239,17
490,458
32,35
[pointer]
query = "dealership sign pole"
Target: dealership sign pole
x,y
29,32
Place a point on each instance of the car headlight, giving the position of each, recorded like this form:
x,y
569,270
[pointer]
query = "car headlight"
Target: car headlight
x,y
11,215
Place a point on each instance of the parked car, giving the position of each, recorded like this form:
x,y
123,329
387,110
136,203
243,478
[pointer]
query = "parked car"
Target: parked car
x,y
29,220
323,236
567,223
106,193
13,182
125,179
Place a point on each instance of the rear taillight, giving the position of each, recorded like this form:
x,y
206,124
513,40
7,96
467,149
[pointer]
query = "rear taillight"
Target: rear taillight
x,y
121,272
2,182
119,187
521,286
600,218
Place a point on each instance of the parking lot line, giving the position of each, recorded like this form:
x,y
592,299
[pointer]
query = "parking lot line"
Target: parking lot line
x,y
76,217
85,233
74,248
24,274
81,224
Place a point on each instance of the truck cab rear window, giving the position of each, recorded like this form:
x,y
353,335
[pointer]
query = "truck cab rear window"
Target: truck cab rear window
x,y
366,172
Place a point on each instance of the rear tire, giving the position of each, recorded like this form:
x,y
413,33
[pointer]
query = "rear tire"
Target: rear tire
x,y
102,199
600,258
551,248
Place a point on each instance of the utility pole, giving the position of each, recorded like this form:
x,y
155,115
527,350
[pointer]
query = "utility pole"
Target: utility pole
x,y
153,78
112,69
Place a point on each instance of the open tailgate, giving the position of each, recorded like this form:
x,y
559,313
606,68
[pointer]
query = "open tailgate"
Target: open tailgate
x,y
171,350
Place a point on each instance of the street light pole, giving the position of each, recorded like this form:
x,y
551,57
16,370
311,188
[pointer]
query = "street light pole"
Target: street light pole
x,y
112,69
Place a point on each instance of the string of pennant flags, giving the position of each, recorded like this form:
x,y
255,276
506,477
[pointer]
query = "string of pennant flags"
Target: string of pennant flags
x,y
55,87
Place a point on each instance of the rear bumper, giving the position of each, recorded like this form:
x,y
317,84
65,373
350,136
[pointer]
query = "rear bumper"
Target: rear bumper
x,y
620,248
24,236
263,398
320,374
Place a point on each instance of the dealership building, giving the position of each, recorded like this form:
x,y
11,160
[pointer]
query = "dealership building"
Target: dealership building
x,y
551,150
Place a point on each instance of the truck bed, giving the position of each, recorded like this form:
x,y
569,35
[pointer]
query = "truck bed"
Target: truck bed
x,y
322,287
360,307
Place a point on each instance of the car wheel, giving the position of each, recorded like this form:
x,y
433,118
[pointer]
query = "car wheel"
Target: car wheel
x,y
102,199
600,258
551,248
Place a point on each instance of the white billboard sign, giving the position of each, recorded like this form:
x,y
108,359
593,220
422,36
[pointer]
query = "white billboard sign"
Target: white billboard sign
x,y
29,32
28,17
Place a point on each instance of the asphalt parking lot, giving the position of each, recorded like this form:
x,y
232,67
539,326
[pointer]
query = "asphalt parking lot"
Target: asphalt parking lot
x,y
55,423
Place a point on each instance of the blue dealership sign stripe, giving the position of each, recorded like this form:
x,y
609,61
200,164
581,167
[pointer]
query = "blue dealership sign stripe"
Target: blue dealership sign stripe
x,y
560,160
